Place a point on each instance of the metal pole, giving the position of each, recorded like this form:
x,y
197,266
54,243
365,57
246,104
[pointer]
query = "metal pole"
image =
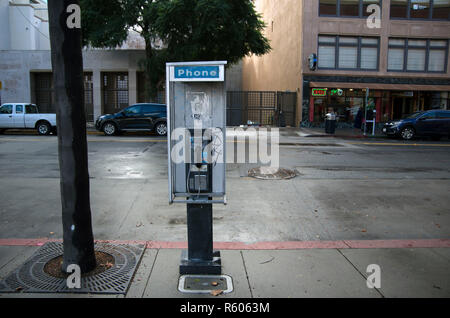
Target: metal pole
x,y
374,121
365,111
200,257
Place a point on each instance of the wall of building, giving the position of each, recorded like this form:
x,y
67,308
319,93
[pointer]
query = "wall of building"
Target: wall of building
x,y
22,26
4,25
234,77
313,25
16,68
281,69
294,36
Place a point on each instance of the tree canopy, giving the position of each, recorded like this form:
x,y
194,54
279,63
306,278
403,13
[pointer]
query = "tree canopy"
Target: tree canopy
x,y
191,30
211,29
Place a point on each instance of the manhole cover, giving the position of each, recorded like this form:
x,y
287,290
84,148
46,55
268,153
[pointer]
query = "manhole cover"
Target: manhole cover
x,y
272,173
205,284
31,278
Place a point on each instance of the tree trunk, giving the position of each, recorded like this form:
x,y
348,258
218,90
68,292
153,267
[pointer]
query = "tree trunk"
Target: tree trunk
x,y
67,64
150,91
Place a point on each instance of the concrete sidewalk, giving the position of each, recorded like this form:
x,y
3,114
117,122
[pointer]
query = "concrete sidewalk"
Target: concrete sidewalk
x,y
290,273
340,133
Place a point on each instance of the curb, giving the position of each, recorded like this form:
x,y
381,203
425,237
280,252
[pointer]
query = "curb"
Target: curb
x,y
292,245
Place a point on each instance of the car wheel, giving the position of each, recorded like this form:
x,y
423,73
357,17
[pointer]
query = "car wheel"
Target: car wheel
x,y
408,133
161,129
110,129
44,128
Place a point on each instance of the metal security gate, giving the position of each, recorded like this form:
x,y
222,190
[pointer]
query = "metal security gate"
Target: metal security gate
x,y
89,96
44,93
261,108
114,92
287,108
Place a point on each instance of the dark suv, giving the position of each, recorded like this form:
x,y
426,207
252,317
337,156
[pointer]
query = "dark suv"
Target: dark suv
x,y
432,123
139,117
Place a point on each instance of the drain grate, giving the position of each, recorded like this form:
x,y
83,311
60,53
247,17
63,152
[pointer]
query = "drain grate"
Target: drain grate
x,y
31,278
205,284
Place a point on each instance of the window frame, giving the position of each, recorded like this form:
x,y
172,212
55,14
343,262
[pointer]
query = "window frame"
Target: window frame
x,y
33,107
153,108
427,49
10,105
408,14
359,47
441,112
127,112
338,11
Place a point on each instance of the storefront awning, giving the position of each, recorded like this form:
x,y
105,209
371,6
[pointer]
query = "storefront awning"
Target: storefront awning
x,y
376,86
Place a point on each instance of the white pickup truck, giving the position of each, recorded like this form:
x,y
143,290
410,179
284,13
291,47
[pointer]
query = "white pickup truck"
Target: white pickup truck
x,y
26,116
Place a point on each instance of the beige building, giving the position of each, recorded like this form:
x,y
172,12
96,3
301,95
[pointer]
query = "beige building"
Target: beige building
x,y
403,61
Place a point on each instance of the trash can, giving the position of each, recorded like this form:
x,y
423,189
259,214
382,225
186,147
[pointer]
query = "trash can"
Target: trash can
x,y
330,122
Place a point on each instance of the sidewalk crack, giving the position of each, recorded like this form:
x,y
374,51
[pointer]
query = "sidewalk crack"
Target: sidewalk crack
x,y
365,278
246,274
150,274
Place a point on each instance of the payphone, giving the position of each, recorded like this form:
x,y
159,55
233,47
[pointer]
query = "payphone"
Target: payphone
x,y
196,110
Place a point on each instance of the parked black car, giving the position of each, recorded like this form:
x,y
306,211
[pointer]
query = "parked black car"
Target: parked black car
x,y
139,117
432,123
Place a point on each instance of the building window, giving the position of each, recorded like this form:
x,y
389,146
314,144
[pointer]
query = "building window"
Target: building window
x,y
440,100
346,8
349,8
399,9
417,55
441,10
328,7
420,9
437,56
349,53
366,4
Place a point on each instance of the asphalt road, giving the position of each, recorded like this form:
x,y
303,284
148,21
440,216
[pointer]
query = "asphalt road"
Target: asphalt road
x,y
346,189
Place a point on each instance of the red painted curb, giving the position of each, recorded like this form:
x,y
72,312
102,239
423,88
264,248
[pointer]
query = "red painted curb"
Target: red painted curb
x,y
344,244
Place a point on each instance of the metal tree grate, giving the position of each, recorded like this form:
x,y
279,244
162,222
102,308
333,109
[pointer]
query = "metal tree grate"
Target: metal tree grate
x,y
31,278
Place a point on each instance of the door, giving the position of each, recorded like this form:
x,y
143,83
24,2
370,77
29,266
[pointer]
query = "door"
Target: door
x,y
150,114
131,118
6,116
397,108
31,114
18,117
444,119
428,124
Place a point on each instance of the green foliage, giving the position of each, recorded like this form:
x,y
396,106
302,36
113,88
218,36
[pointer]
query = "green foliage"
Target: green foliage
x,y
192,30
104,23
197,30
